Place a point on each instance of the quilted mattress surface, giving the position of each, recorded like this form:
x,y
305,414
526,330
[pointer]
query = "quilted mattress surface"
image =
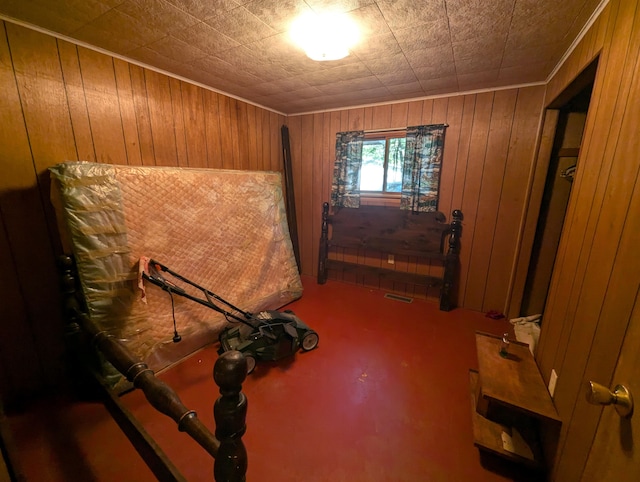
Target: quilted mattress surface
x,y
224,230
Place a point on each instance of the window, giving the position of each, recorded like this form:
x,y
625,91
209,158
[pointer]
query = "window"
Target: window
x,y
389,164
382,159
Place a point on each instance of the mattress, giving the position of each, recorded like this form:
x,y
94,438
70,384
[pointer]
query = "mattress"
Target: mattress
x,y
224,230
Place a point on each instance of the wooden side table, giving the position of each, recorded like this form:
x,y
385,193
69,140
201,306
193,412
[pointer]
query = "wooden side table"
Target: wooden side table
x,y
513,413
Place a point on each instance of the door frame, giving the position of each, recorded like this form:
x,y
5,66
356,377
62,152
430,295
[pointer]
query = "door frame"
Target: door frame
x,y
537,181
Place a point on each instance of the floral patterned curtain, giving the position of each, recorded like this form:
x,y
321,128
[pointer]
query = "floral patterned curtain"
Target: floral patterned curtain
x,y
345,190
421,168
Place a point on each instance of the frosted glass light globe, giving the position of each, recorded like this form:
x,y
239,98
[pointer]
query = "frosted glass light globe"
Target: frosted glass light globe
x,y
325,36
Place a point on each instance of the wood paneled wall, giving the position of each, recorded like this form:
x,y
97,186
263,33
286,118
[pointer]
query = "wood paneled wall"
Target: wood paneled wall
x,y
489,150
62,102
594,283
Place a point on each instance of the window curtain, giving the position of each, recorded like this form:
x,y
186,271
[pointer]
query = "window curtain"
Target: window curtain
x,y
421,168
345,190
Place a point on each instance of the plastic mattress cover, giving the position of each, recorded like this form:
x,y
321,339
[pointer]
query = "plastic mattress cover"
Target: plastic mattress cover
x,y
224,230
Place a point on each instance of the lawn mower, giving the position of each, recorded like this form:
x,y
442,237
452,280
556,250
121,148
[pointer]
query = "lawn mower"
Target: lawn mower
x,y
267,335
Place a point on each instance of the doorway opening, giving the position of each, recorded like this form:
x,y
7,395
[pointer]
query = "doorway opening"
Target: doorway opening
x,y
572,106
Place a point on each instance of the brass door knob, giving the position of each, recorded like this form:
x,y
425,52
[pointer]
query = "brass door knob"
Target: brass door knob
x,y
620,398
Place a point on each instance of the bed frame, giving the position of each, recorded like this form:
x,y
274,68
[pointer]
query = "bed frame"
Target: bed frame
x,y
230,408
387,231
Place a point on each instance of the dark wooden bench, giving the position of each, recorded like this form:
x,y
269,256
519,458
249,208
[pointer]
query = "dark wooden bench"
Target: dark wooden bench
x,y
396,232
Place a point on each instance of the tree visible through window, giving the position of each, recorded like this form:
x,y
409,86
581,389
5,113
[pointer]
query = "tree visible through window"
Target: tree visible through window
x,y
382,159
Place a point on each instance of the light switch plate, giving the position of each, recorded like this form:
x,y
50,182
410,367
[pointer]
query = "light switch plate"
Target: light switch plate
x,y
552,382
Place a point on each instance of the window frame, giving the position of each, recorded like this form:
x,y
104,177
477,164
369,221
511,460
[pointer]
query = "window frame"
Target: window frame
x,y
385,135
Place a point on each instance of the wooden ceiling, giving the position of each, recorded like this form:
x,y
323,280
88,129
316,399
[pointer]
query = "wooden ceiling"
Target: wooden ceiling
x,y
410,49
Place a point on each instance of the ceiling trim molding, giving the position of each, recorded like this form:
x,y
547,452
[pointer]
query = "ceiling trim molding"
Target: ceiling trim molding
x,y
131,61
428,97
578,39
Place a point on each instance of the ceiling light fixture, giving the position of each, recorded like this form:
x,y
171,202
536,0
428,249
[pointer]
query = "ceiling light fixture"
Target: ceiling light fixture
x,y
325,36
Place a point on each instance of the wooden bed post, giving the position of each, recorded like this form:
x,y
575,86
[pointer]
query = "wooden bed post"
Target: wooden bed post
x,y
447,293
324,240
230,412
230,409
290,199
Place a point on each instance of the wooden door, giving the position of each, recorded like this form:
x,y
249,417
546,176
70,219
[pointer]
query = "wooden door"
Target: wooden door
x,y
592,306
615,454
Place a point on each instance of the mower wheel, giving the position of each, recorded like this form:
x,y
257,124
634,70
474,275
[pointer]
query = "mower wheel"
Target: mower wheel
x,y
310,341
251,362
